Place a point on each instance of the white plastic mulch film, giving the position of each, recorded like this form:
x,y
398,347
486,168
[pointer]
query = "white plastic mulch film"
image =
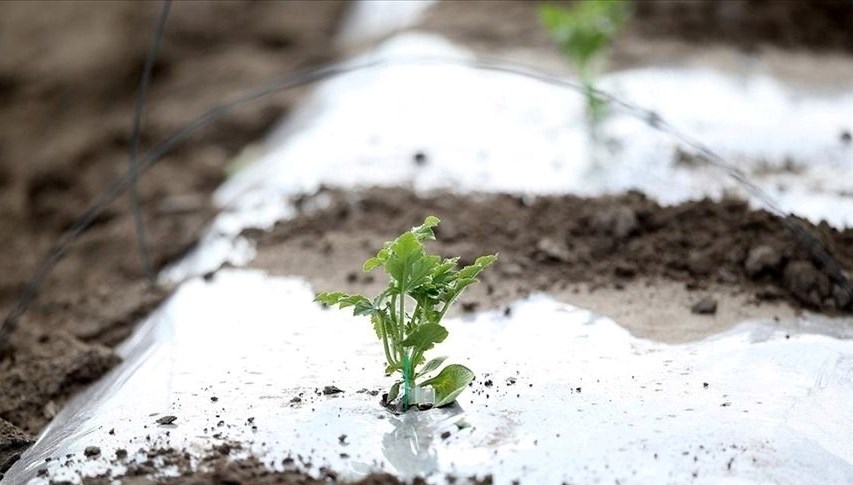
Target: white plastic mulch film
x,y
562,395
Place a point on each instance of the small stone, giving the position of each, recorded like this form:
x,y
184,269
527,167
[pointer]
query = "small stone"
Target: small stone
x,y
617,221
342,439
511,269
121,453
167,419
296,399
761,258
554,249
445,435
705,306
845,137
50,410
92,451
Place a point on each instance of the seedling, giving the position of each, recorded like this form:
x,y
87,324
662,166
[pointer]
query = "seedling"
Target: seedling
x,y
584,32
407,315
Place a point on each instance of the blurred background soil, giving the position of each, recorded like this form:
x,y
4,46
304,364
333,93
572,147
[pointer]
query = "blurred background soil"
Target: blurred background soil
x,y
68,74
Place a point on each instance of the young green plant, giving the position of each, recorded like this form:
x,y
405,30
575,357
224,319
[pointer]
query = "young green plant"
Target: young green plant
x,y
583,32
407,315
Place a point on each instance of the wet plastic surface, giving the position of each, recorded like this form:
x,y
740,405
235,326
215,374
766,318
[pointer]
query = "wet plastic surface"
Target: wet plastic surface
x,y
474,136
561,394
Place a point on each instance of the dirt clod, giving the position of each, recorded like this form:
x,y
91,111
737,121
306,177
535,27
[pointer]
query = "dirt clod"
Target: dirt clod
x,y
330,390
762,258
13,442
806,282
166,419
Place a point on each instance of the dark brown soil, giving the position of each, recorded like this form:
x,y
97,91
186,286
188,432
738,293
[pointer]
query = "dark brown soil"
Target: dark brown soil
x,y
819,25
549,242
68,73
815,24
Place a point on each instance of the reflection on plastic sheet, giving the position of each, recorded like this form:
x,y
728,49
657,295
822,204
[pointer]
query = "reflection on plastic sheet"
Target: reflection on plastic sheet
x,y
561,395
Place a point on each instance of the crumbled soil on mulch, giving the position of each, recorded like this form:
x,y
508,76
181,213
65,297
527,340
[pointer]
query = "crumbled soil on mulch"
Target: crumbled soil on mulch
x,y
68,74
218,467
546,243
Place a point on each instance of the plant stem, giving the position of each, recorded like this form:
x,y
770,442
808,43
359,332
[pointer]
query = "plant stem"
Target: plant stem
x,y
388,357
408,380
447,305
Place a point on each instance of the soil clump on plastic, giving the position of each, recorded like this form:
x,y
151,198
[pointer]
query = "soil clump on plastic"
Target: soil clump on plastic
x,y
217,466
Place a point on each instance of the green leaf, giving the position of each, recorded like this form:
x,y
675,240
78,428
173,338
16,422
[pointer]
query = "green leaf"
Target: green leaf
x,y
408,265
425,336
449,383
425,231
377,321
329,297
360,304
377,260
371,264
472,271
430,366
405,250
585,29
394,391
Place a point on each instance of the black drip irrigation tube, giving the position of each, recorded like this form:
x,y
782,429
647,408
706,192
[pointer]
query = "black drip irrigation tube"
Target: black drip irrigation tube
x,y
138,104
827,262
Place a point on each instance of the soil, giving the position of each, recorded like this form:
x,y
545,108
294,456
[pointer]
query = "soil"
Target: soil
x,y
548,243
68,74
746,24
